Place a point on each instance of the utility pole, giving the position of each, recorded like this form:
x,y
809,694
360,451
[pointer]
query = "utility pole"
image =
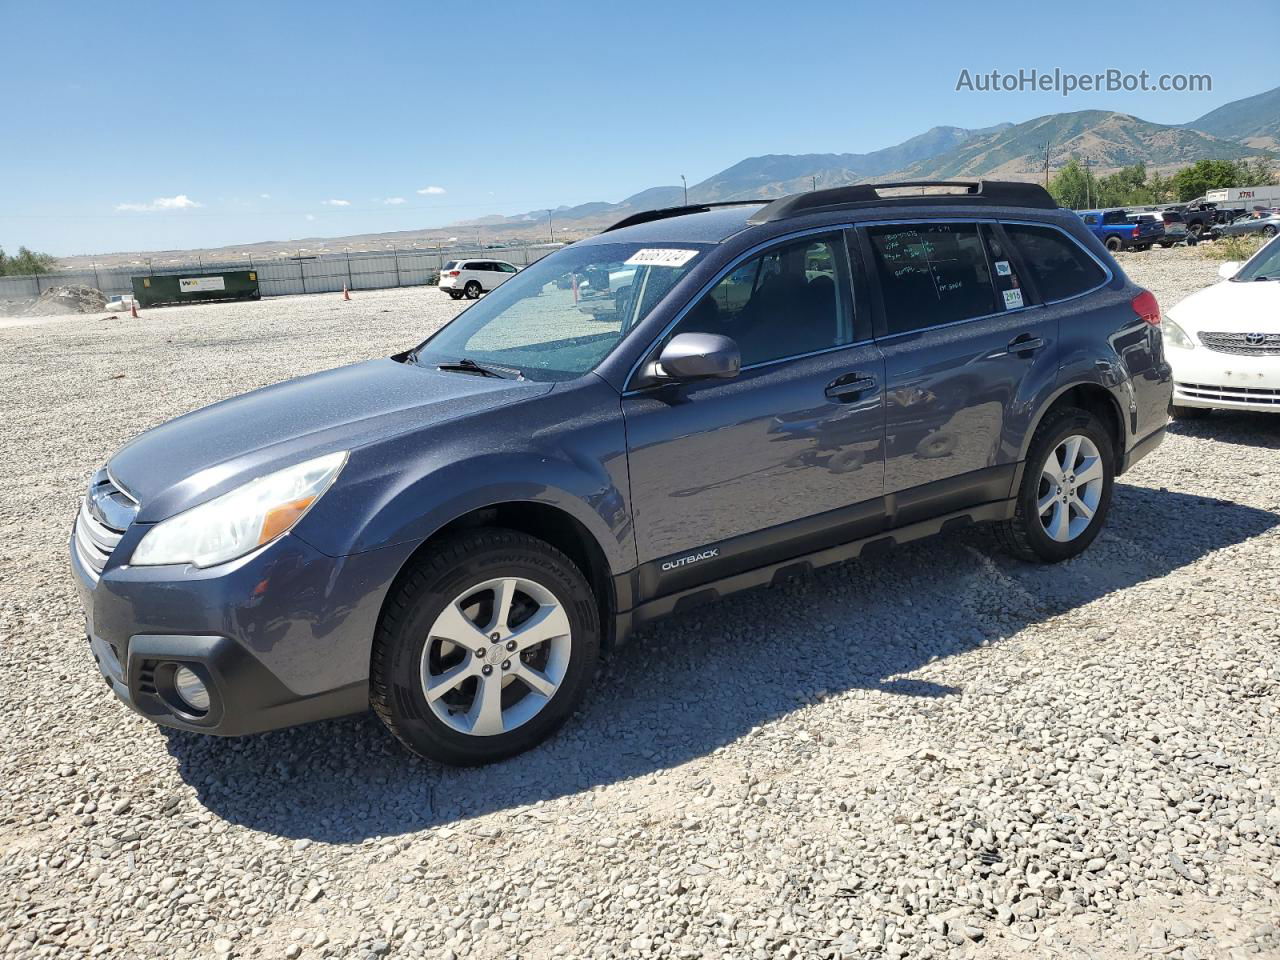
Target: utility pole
x,y
1087,183
686,189
551,227
815,181
1046,165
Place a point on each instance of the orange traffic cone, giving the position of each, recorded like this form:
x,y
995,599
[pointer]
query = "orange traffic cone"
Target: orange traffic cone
x,y
133,309
346,294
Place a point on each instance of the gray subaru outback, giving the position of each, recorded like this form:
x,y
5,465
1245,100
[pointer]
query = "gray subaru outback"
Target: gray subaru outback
x,y
697,401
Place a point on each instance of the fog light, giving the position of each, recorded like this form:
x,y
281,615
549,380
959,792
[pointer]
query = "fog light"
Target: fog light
x,y
191,689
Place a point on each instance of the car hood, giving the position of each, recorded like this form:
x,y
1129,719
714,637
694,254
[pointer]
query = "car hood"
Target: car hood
x,y
203,454
1231,307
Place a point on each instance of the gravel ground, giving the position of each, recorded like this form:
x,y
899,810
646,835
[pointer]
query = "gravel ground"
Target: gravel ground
x,y
939,753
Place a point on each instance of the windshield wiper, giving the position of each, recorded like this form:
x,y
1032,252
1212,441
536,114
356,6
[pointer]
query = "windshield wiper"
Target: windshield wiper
x,y
467,365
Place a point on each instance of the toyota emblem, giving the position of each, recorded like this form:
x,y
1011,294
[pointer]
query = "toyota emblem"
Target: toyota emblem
x,y
1255,339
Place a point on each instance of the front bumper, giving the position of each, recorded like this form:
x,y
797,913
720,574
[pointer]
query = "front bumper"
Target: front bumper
x,y
280,637
1224,381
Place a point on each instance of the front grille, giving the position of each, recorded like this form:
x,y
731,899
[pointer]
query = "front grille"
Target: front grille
x,y
1243,344
105,514
1200,391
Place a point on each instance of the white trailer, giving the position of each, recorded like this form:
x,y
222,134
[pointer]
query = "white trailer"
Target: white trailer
x,y
1246,197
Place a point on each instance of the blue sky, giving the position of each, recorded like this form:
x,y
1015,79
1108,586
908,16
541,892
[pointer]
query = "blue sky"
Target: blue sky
x,y
261,112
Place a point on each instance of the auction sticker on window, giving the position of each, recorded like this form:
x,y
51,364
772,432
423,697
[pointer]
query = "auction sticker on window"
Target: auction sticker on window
x,y
660,257
1002,268
1012,298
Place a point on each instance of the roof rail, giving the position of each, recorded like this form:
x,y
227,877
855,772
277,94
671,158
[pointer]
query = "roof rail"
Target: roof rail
x,y
1005,193
648,216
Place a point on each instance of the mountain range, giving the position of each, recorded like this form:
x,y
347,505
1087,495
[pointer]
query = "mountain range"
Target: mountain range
x,y
1011,151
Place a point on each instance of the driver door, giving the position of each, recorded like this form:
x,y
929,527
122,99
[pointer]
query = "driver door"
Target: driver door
x,y
782,460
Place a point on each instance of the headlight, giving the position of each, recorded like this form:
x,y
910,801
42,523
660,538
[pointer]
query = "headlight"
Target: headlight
x,y
1176,335
240,521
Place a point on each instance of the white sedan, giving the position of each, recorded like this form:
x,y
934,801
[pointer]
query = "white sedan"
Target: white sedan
x,y
1224,341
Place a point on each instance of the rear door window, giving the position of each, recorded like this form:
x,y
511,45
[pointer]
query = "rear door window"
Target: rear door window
x,y
1058,265
931,274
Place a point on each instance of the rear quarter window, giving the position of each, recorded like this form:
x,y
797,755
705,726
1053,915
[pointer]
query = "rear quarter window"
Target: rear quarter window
x,y
1060,267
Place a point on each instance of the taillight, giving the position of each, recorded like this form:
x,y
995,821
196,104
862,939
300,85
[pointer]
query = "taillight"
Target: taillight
x,y
1147,307
455,273
1137,231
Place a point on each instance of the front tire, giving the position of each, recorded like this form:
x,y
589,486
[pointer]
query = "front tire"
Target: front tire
x,y
1269,230
454,294
1065,494
486,646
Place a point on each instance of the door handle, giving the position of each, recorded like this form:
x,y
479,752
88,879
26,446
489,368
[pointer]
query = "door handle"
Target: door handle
x,y
849,387
1025,344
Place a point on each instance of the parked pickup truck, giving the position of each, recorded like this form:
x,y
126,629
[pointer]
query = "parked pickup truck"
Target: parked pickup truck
x,y
1200,217
1118,232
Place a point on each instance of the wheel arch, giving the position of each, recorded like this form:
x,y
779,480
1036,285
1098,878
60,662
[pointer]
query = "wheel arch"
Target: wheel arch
x,y
547,522
1096,399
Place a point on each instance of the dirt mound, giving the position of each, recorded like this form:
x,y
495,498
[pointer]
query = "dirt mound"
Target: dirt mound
x,y
72,298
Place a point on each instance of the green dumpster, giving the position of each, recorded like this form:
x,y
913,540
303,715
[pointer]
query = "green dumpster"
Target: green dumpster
x,y
153,291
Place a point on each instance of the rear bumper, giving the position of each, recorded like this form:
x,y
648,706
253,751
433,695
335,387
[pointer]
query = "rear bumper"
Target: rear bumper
x,y
1142,448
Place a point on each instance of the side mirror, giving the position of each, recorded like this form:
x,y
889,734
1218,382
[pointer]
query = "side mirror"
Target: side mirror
x,y
698,356
1229,269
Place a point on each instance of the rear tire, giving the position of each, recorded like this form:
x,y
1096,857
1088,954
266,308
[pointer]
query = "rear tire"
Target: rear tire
x,y
1069,473
1113,244
454,592
472,290
1187,413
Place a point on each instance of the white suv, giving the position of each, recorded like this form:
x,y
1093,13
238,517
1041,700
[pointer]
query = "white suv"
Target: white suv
x,y
470,278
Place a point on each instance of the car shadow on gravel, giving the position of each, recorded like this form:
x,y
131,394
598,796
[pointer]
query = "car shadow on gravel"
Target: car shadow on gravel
x,y
1260,430
692,684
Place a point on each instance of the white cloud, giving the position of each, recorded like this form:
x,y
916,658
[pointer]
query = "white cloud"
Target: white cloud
x,y
265,196
394,201
431,191
337,203
180,202
311,216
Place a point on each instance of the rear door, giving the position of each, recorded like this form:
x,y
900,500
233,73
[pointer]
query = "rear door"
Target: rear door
x,y
966,351
482,272
784,459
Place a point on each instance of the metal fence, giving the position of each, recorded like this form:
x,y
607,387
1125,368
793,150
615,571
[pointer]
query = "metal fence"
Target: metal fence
x,y
322,273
